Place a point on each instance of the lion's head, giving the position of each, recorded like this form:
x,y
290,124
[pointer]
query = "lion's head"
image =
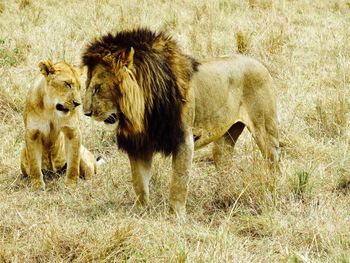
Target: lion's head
x,y
140,79
62,86
112,91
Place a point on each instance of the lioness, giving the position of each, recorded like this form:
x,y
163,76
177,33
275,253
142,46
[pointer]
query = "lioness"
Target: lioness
x,y
52,134
165,101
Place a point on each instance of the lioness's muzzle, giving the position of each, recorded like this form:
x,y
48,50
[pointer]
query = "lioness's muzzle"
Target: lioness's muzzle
x,y
60,107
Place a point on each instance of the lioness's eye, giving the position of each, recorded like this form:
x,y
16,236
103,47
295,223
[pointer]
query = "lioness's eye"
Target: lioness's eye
x,y
69,85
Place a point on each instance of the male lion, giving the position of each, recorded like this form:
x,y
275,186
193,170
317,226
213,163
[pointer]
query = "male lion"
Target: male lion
x,y
165,101
52,135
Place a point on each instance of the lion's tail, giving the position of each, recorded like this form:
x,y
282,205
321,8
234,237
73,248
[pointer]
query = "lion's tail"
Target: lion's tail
x,y
100,161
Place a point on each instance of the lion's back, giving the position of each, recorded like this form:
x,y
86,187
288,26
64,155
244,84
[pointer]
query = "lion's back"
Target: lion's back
x,y
227,86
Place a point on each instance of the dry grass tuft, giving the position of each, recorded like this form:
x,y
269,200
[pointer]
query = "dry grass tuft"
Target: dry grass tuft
x,y
3,107
9,55
276,40
24,4
242,42
343,182
239,214
247,192
119,247
264,4
329,118
2,7
301,184
11,104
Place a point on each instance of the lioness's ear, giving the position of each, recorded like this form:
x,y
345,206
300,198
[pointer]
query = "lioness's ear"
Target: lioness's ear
x,y
47,67
127,57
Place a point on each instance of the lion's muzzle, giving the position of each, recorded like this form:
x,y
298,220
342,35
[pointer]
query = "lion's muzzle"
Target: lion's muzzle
x,y
111,119
76,104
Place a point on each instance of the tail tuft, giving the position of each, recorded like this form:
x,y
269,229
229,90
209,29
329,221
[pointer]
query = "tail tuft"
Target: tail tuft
x,y
100,161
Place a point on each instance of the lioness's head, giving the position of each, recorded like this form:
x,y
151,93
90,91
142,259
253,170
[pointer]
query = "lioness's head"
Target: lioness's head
x,y
62,86
112,91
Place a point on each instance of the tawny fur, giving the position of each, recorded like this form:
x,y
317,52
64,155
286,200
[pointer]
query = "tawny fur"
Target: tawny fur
x,y
216,100
52,137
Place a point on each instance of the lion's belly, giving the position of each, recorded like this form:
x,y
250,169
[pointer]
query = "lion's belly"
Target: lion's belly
x,y
212,121
217,104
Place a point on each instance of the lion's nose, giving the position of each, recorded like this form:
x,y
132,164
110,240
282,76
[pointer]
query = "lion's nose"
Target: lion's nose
x,y
89,114
76,104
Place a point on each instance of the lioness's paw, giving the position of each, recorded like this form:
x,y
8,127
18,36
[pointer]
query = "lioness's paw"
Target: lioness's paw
x,y
38,184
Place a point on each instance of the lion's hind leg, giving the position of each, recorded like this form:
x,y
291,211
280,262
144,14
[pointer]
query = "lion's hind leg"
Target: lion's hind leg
x,y
223,147
266,136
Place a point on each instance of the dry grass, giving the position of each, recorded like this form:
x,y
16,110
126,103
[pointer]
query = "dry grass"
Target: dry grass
x,y
242,214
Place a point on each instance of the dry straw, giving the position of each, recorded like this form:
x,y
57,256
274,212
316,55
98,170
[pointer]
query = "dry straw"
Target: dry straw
x,y
240,214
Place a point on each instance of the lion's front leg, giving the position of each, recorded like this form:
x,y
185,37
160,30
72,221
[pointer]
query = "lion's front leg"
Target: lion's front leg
x,y
182,162
72,148
34,157
141,174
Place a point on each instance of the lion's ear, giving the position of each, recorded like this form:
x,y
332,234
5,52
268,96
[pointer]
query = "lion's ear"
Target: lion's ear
x,y
127,57
47,67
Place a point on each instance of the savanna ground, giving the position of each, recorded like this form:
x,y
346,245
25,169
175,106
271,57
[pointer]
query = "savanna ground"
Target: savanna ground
x,y
240,215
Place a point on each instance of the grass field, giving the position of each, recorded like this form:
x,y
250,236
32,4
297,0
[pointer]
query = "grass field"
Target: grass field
x,y
239,215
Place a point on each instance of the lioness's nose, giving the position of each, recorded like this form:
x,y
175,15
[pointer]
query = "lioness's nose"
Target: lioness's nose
x,y
76,104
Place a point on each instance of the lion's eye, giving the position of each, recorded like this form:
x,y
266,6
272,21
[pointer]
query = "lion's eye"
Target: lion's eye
x,y
97,89
68,84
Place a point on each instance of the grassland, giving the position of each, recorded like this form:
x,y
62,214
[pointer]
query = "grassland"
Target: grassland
x,y
239,215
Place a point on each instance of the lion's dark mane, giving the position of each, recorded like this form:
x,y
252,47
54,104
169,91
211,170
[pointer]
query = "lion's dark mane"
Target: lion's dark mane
x,y
157,57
